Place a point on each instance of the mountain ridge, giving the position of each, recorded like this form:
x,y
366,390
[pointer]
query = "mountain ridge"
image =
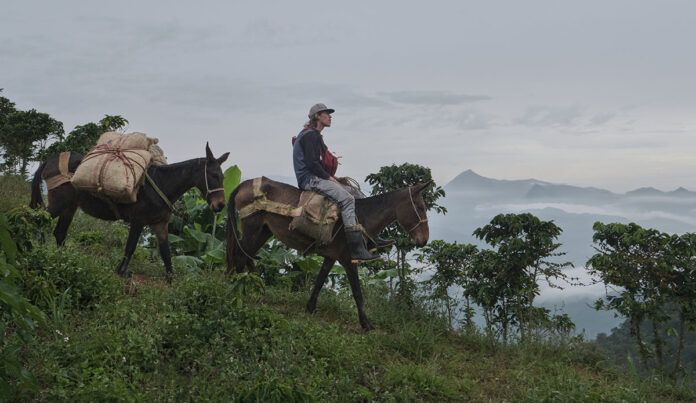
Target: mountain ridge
x,y
469,176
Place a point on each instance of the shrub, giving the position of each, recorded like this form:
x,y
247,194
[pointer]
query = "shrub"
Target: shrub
x,y
18,318
65,275
28,226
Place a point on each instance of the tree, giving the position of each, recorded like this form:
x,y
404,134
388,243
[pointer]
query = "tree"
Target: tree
x,y
683,288
6,107
84,137
18,318
395,177
23,135
637,261
113,123
451,264
506,281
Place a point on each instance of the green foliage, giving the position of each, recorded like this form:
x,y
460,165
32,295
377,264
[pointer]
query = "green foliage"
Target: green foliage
x,y
450,264
29,227
232,177
390,178
67,278
113,123
652,275
23,135
79,140
15,192
209,337
395,177
279,265
18,318
197,235
6,107
407,382
504,282
83,137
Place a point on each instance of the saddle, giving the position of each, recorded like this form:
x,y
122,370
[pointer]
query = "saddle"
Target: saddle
x,y
314,216
64,175
318,217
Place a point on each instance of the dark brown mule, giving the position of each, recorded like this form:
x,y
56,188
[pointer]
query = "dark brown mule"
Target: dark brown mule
x,y
375,213
150,209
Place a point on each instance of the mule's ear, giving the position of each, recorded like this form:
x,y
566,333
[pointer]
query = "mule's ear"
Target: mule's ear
x,y
208,153
223,158
421,186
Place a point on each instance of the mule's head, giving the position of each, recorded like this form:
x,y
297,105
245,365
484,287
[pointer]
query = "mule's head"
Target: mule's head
x,y
411,214
211,185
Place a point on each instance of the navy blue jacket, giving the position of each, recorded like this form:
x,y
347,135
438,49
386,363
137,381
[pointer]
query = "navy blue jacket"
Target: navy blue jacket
x,y
306,156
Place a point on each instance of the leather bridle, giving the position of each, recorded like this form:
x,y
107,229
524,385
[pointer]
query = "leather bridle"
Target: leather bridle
x,y
208,190
415,210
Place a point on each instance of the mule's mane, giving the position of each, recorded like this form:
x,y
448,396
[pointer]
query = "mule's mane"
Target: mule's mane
x,y
178,165
380,201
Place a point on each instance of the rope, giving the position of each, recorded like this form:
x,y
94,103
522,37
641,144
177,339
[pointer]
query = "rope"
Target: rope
x,y
234,233
163,196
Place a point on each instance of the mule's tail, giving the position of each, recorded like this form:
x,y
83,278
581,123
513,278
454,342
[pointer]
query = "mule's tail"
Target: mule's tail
x,y
36,197
234,250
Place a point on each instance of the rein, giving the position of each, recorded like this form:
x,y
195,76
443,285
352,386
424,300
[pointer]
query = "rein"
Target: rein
x,y
415,210
166,199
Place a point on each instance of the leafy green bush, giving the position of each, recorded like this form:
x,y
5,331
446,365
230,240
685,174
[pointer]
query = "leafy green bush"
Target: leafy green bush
x,y
196,233
18,318
28,227
53,274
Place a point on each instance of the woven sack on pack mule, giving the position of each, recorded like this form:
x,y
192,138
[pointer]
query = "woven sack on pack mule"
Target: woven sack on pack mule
x,y
115,167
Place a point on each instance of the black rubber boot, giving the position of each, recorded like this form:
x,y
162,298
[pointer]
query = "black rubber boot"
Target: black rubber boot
x,y
377,243
356,243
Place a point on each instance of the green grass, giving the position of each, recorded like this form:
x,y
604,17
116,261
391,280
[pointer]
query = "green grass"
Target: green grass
x,y
191,341
198,339
15,192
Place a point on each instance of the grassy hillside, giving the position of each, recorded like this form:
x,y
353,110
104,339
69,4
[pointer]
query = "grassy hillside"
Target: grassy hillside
x,y
208,337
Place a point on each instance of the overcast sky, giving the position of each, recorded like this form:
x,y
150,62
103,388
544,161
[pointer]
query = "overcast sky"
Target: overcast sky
x,y
595,93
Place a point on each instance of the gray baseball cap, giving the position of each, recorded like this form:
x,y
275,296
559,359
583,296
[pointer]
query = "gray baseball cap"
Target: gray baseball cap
x,y
319,108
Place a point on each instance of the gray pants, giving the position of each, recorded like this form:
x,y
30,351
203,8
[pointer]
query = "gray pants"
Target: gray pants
x,y
344,196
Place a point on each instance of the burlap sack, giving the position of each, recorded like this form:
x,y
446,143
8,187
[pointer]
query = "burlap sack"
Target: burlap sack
x,y
158,157
115,167
318,218
134,141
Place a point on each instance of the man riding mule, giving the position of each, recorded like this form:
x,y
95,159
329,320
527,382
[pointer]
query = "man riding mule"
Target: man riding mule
x,y
164,186
312,170
268,208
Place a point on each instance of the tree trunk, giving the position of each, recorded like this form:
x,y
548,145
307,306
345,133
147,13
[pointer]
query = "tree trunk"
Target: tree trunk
x,y
23,170
680,345
467,316
504,323
641,347
657,341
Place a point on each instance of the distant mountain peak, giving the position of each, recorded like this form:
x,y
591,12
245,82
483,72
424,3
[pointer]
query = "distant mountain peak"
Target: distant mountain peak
x,y
644,191
469,172
681,191
469,176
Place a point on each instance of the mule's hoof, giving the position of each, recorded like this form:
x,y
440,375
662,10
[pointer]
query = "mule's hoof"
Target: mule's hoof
x,y
124,273
367,326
